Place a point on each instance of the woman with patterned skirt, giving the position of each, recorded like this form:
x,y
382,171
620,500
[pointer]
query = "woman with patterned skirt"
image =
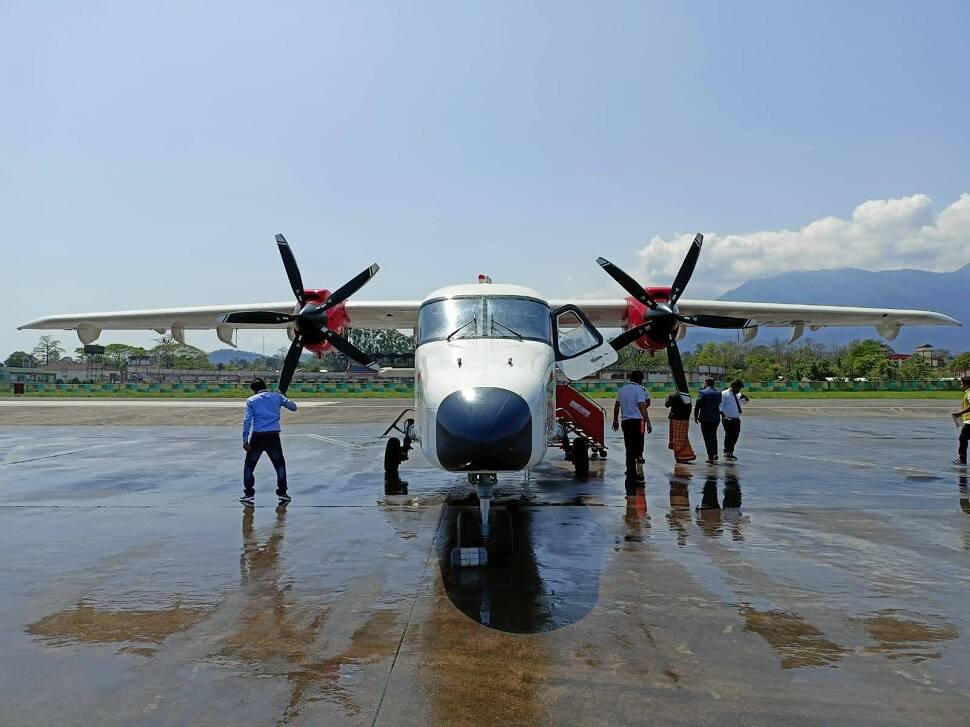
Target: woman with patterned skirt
x,y
679,421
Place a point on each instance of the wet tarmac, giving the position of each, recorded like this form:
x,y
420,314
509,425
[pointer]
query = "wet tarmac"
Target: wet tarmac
x,y
822,579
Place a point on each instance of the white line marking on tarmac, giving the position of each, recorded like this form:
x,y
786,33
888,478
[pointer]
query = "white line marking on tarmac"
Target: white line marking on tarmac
x,y
76,451
331,440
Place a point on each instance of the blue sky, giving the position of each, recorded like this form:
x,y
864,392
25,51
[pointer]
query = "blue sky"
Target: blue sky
x,y
151,150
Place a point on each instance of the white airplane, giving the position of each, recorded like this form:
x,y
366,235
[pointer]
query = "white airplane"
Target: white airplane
x,y
487,354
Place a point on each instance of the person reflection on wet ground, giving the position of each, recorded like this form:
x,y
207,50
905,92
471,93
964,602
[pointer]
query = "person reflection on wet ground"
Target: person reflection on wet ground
x,y
964,494
711,517
637,518
275,634
679,514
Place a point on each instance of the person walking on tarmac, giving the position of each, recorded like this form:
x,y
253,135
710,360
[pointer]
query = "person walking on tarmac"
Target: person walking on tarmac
x,y
963,416
731,399
631,406
263,419
707,413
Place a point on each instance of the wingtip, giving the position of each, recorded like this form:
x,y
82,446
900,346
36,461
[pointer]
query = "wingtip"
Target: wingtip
x,y
280,240
602,262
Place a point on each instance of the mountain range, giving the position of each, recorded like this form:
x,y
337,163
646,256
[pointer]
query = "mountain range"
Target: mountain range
x,y
947,293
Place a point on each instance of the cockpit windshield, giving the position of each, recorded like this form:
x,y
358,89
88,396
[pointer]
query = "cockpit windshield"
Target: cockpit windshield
x,y
484,317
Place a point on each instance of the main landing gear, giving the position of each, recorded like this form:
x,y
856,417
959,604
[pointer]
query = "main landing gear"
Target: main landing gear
x,y
395,452
486,535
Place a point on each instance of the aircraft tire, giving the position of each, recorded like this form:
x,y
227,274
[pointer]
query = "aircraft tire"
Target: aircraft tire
x,y
392,456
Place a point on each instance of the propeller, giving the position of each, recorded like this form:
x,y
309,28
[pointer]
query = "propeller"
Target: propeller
x,y
310,321
663,317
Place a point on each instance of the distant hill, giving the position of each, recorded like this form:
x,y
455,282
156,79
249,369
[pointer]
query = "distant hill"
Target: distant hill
x,y
225,355
947,293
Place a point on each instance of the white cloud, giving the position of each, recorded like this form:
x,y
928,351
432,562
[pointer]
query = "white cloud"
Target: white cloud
x,y
882,234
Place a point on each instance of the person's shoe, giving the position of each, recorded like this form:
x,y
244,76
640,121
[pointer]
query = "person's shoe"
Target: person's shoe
x,y
730,457
959,463
247,500
285,499
685,461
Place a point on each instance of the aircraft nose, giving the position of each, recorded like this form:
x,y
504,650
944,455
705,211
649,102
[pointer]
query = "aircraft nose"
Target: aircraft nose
x,y
484,429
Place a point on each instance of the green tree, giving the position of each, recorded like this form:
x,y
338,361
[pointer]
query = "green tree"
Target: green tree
x,y
866,359
48,350
118,355
20,359
915,368
960,362
170,354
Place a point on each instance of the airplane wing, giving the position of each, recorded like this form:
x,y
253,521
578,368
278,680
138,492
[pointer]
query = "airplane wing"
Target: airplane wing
x,y
887,321
362,313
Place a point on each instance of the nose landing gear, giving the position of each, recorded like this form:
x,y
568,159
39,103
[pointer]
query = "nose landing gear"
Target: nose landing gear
x,y
396,452
485,535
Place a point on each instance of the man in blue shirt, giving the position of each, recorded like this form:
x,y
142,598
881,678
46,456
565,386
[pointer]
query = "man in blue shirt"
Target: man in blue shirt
x,y
632,402
263,419
707,413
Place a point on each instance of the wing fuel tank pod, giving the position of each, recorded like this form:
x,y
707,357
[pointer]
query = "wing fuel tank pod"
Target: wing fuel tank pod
x,y
483,429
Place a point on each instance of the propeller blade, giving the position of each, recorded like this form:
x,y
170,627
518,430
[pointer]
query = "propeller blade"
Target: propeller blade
x,y
715,321
349,350
630,335
686,269
257,317
677,366
292,269
351,287
627,283
290,363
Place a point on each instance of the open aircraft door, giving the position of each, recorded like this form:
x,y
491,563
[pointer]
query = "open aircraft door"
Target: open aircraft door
x,y
581,350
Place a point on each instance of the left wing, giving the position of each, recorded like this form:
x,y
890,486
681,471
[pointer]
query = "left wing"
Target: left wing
x,y
887,321
362,314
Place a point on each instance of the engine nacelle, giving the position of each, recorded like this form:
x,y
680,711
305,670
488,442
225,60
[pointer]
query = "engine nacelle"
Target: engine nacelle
x,y
636,313
337,319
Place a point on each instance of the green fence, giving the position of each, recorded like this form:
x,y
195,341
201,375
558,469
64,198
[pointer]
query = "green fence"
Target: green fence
x,y
393,388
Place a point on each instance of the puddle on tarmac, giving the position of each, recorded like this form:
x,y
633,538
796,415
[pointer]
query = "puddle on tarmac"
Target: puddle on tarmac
x,y
141,631
906,637
798,642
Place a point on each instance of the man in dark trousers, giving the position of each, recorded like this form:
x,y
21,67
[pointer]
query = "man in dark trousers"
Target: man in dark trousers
x,y
632,402
731,399
263,418
963,417
707,413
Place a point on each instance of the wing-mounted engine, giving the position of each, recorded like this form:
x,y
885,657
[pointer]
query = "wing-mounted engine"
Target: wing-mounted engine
x,y
636,315
337,319
318,322
654,322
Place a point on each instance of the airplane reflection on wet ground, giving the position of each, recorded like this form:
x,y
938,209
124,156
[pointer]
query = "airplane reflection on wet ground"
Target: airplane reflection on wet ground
x,y
820,583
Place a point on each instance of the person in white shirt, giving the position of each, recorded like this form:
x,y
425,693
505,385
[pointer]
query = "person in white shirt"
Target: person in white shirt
x,y
731,399
632,402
